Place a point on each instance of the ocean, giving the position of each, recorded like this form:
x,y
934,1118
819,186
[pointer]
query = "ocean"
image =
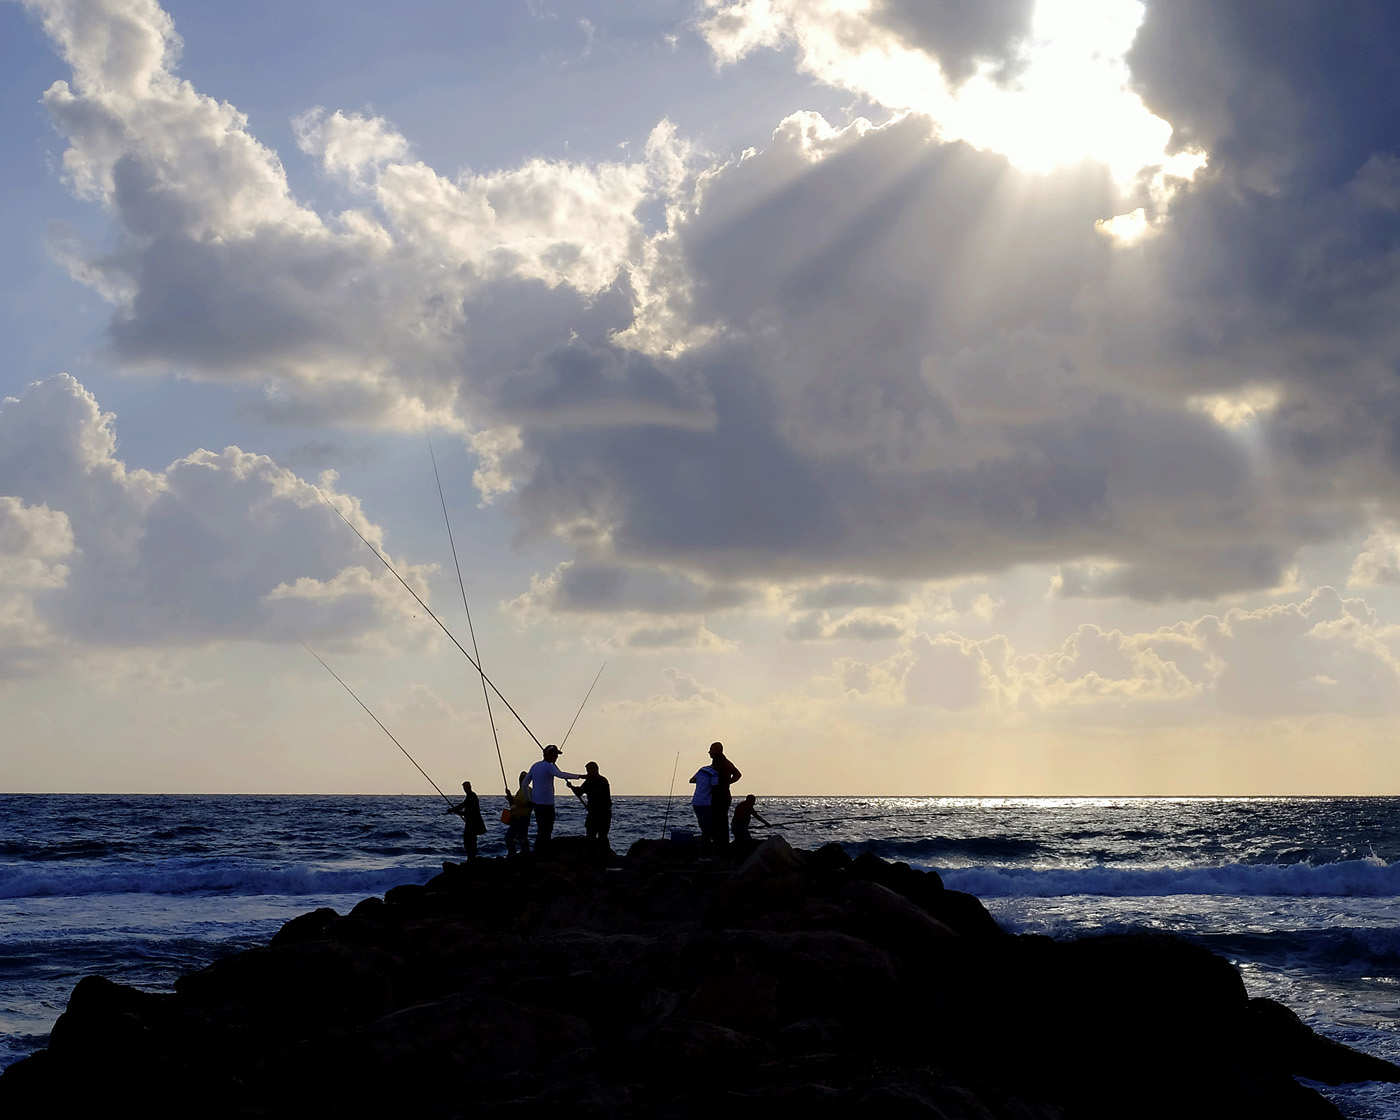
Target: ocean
x,y
1300,893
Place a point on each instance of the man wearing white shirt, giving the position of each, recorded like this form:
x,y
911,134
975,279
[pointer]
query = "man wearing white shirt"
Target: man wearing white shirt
x,y
705,780
542,775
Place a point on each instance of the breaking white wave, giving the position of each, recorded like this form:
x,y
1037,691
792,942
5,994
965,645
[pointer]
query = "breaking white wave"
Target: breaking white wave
x,y
170,878
1362,878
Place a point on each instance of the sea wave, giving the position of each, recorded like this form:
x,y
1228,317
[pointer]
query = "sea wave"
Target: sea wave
x,y
1363,878
931,848
59,881
1331,947
41,851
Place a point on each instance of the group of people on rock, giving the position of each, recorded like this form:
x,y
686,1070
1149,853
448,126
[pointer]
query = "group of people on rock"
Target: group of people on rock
x,y
534,797
713,796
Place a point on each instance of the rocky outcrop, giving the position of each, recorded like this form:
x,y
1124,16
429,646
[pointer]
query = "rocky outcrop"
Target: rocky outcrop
x,y
661,986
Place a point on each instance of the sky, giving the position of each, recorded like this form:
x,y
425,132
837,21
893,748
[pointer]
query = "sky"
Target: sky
x,y
922,398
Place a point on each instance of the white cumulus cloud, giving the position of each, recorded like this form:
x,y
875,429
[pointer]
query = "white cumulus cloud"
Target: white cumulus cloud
x,y
217,547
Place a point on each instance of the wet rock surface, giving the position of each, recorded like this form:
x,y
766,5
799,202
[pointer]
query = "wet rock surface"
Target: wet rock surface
x,y
658,986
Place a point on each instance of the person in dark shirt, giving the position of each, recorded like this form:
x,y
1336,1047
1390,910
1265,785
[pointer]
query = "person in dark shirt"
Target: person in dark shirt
x,y
472,825
726,775
744,815
598,819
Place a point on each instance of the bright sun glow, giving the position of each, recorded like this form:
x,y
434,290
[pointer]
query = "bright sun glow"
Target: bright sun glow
x,y
1072,101
1235,410
1069,100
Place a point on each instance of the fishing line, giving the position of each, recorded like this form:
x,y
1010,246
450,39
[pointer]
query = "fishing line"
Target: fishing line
x,y
475,665
578,713
372,716
667,819
470,628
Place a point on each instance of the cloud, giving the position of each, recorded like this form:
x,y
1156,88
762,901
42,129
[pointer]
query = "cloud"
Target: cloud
x,y
1045,84
578,587
946,672
34,543
681,699
961,36
353,146
219,272
861,627
216,547
840,43
1280,273
1323,653
849,593
684,688
662,637
1378,563
854,430
882,681
865,352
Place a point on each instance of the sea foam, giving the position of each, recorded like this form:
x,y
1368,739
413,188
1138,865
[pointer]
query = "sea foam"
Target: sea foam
x,y
1363,878
67,881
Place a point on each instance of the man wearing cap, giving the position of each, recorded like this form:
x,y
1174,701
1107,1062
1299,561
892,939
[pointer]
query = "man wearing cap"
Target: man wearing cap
x,y
542,775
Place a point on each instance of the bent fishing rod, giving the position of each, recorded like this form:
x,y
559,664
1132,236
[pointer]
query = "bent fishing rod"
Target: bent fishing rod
x,y
475,664
374,717
574,789
578,713
667,819
470,628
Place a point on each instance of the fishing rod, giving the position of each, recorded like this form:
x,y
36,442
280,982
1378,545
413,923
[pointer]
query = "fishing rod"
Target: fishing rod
x,y
475,664
667,819
470,628
578,713
374,717
572,788
835,820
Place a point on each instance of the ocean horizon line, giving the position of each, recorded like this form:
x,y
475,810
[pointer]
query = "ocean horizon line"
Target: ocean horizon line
x,y
784,796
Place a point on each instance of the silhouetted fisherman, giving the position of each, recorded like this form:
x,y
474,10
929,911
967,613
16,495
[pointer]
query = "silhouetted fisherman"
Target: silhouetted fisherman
x,y
726,773
743,813
542,775
469,809
518,831
598,820
702,803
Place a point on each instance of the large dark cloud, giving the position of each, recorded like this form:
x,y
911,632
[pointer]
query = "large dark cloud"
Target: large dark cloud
x,y
961,34
1281,264
1299,93
583,587
579,385
902,389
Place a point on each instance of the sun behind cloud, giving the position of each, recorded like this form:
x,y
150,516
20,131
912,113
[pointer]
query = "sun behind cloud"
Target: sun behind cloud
x,y
1055,94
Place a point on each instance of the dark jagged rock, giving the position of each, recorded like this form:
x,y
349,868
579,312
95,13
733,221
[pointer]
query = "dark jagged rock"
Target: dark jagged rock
x,y
305,927
443,1049
662,985
1282,1039
300,988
